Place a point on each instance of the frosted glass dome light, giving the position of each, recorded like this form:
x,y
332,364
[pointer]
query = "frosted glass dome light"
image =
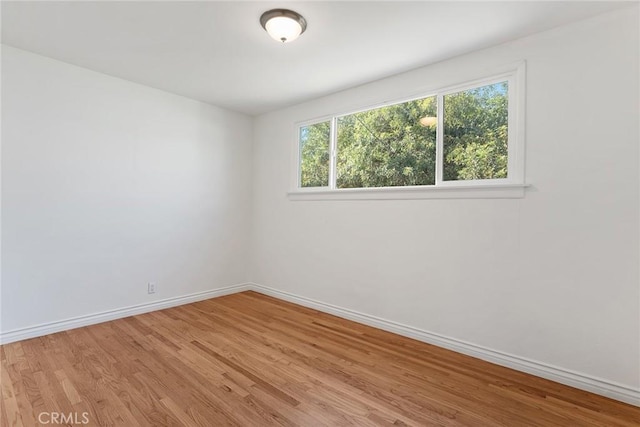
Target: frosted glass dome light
x,y
283,25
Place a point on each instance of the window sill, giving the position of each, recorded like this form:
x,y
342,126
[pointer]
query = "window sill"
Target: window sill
x,y
491,191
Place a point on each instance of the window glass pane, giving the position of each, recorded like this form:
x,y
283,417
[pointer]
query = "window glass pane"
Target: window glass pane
x,y
388,146
475,133
314,154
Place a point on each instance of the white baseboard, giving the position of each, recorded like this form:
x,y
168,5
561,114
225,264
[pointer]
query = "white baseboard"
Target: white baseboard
x,y
578,380
91,319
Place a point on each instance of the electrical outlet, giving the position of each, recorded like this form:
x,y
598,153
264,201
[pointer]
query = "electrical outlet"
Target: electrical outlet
x,y
151,288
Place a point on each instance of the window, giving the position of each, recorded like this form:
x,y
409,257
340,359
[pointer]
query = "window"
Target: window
x,y
315,141
476,133
469,136
387,147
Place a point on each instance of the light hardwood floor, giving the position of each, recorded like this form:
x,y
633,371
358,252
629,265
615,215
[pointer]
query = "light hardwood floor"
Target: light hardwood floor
x,y
251,360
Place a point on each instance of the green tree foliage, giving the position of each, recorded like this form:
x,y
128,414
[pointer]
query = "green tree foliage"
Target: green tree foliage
x,y
314,155
475,133
396,146
387,146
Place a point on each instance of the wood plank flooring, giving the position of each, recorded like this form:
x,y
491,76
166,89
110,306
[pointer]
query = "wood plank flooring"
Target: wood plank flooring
x,y
251,360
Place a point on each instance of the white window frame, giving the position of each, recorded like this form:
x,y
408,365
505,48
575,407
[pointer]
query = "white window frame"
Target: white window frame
x,y
511,187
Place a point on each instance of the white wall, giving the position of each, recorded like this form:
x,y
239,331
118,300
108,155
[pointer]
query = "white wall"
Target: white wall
x,y
107,185
552,277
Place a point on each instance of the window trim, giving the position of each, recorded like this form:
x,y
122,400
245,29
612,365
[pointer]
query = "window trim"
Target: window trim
x,y
510,187
413,192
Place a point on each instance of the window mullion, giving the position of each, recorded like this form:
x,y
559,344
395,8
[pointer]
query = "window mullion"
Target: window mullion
x,y
333,153
439,138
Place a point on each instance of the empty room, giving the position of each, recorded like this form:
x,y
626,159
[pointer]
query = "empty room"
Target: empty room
x,y
254,213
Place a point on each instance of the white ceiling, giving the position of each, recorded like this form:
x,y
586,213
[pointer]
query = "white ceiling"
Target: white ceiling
x,y
217,52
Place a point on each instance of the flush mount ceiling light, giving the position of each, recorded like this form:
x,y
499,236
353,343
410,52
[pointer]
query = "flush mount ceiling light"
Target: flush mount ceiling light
x,y
283,25
427,121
